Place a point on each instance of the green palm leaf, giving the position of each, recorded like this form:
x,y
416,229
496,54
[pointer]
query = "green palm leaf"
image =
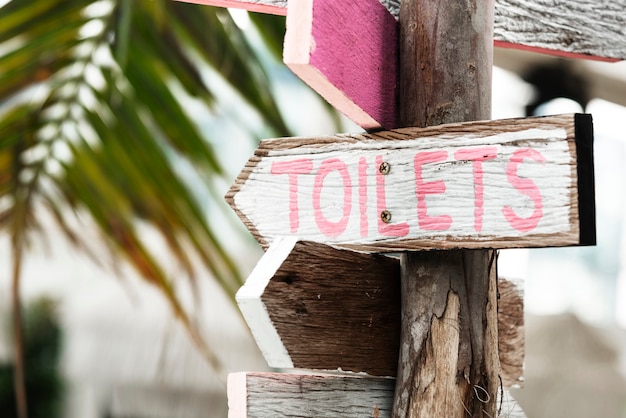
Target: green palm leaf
x,y
93,120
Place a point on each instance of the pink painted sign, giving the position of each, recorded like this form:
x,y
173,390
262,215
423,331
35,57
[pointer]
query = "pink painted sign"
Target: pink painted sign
x,y
574,28
346,51
496,184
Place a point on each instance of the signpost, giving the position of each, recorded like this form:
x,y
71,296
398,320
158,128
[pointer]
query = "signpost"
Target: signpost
x,y
574,28
347,51
348,320
271,395
448,364
350,68
459,189
494,184
341,312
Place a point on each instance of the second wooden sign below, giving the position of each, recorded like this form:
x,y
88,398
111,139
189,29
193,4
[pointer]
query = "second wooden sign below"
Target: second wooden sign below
x,y
310,306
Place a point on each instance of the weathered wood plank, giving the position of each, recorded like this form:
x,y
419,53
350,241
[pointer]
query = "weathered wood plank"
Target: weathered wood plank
x,y
271,395
314,307
448,364
573,28
448,337
346,51
494,184
310,306
576,28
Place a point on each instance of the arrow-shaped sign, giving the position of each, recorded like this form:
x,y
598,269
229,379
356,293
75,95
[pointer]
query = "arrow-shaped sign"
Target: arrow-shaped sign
x,y
342,311
347,51
494,184
576,28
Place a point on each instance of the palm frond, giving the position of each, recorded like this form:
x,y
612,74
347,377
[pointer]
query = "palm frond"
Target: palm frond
x,y
93,119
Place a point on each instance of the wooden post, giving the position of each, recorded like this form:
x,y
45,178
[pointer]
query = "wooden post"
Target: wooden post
x,y
448,364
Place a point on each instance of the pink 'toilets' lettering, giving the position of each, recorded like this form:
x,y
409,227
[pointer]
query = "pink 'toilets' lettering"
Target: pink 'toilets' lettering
x,y
524,186
330,228
363,195
293,169
477,156
390,230
422,188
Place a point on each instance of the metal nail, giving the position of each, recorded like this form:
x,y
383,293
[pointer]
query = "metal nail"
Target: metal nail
x,y
384,168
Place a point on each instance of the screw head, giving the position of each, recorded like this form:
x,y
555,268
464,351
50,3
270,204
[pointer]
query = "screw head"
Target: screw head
x,y
385,216
384,168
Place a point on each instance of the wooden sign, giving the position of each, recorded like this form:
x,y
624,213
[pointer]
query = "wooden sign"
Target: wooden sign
x,y
574,28
270,395
310,306
346,51
494,184
570,28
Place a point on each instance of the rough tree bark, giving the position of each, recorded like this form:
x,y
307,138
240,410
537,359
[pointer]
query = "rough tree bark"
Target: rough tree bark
x,y
448,363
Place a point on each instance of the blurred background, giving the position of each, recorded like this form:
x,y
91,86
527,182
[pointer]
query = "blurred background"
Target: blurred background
x,y
122,125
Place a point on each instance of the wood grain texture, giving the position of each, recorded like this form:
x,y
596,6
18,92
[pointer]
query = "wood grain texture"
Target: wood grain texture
x,y
448,361
329,309
346,51
330,190
271,395
340,310
448,364
574,28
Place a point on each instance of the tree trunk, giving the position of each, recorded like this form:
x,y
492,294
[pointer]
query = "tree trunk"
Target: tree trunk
x,y
448,363
19,367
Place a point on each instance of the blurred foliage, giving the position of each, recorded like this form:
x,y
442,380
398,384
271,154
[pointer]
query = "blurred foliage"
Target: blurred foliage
x,y
93,122
42,348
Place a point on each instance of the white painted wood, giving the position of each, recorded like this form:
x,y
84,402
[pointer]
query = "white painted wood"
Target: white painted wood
x,y
563,27
578,28
271,395
236,386
334,47
254,311
329,190
328,309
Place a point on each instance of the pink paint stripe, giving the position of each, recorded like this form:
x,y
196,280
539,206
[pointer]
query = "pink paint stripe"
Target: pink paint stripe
x,y
273,9
554,52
